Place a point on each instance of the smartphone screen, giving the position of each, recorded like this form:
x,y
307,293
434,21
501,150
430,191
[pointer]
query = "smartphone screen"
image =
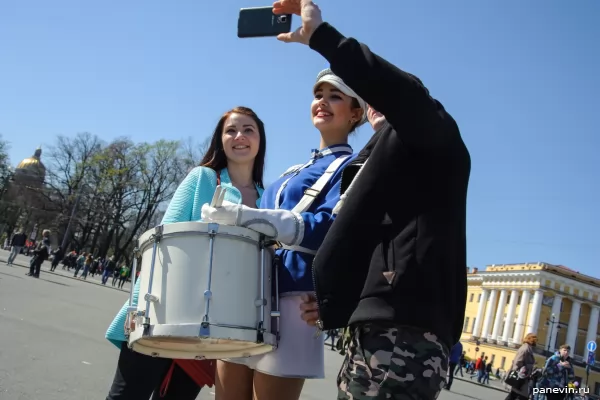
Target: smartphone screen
x,y
261,22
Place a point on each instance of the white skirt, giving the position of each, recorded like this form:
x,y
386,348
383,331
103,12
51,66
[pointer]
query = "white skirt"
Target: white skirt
x,y
299,355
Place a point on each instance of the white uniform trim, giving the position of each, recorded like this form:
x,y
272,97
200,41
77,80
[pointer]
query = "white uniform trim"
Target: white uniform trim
x,y
313,192
310,195
295,170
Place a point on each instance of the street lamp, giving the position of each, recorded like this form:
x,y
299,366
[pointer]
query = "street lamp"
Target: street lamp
x,y
67,234
551,322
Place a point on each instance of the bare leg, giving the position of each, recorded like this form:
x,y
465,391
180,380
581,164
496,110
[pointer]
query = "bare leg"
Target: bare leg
x,y
233,381
268,387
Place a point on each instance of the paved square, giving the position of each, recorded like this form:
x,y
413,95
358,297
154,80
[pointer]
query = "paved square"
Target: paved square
x,y
52,344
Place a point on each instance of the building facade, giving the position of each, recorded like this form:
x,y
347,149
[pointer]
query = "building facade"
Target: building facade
x,y
26,203
506,302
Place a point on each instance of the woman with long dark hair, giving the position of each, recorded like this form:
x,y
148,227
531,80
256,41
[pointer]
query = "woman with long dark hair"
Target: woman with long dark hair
x,y
235,159
297,211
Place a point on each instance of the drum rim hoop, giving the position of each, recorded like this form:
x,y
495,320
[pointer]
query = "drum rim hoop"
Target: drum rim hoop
x,y
242,233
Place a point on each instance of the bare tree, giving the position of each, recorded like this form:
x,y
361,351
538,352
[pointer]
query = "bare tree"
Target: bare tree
x,y
70,161
69,164
191,152
4,166
159,173
106,195
7,209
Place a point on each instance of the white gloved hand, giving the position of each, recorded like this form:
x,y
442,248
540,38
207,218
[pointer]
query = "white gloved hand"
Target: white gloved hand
x,y
282,225
227,214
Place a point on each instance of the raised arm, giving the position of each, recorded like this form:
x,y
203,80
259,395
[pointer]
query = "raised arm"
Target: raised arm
x,y
418,119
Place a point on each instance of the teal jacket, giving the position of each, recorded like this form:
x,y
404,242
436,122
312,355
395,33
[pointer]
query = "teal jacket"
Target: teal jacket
x,y
196,190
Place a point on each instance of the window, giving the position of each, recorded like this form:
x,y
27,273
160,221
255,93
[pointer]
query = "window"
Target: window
x,y
492,359
473,325
508,298
479,298
466,326
471,297
503,362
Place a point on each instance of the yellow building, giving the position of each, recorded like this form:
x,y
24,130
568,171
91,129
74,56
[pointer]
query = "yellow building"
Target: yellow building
x,y
506,302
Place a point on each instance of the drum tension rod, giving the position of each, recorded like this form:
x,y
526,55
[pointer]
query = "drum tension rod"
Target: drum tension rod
x,y
156,237
131,309
213,229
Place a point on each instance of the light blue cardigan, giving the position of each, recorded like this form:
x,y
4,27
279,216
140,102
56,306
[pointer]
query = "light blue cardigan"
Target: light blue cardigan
x,y
196,190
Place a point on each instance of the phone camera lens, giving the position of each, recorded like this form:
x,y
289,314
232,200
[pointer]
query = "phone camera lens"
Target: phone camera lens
x,y
282,19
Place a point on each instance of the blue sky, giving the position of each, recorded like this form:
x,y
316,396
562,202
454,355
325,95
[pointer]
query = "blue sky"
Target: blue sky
x,y
520,78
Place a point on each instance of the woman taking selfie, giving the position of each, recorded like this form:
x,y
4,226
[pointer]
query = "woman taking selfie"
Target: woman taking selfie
x,y
235,159
299,222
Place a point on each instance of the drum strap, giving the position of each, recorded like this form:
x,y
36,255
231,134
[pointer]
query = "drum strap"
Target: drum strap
x,y
311,194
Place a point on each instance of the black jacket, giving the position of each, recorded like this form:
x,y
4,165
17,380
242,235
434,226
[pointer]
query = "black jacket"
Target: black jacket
x,y
19,240
397,250
43,250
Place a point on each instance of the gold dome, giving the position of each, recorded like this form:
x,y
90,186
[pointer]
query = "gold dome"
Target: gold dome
x,y
30,163
33,165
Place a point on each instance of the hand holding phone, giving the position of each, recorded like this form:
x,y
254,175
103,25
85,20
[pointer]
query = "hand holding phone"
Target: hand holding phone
x,y
311,19
262,22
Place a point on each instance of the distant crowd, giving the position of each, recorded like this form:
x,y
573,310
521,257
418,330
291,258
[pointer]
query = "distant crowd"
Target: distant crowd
x,y
83,262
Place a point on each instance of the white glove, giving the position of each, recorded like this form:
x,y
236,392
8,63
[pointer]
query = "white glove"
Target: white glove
x,y
227,214
282,225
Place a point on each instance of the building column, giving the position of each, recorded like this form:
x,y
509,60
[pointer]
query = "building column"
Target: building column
x,y
518,337
489,313
552,329
499,315
479,319
573,325
592,330
536,308
510,316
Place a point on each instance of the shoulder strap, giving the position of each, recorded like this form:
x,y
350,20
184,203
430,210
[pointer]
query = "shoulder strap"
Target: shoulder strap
x,y
313,192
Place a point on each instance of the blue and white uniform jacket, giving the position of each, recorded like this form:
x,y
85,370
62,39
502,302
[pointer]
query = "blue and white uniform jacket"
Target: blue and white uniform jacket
x,y
296,275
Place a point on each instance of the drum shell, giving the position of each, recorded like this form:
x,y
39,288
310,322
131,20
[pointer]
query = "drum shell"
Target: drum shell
x,y
181,280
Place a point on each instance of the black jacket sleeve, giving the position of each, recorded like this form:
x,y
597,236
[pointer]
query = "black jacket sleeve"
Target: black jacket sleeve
x,y
419,120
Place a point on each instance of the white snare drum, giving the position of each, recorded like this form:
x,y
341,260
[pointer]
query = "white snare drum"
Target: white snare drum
x,y
205,292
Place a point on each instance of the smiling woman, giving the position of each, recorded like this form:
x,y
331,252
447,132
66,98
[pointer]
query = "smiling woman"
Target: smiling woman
x,y
238,142
296,210
235,159
334,108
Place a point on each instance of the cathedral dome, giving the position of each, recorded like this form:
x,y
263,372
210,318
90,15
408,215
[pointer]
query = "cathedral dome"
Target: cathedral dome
x,y
32,166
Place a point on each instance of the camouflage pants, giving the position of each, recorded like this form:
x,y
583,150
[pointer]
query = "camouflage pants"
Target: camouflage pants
x,y
399,363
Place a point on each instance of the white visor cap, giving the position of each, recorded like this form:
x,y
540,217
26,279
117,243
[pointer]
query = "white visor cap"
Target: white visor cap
x,y
327,76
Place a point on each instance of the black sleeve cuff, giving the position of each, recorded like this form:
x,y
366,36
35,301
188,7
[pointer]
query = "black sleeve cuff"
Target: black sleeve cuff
x,y
325,40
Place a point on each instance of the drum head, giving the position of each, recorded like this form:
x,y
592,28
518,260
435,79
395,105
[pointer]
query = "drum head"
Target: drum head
x,y
181,347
